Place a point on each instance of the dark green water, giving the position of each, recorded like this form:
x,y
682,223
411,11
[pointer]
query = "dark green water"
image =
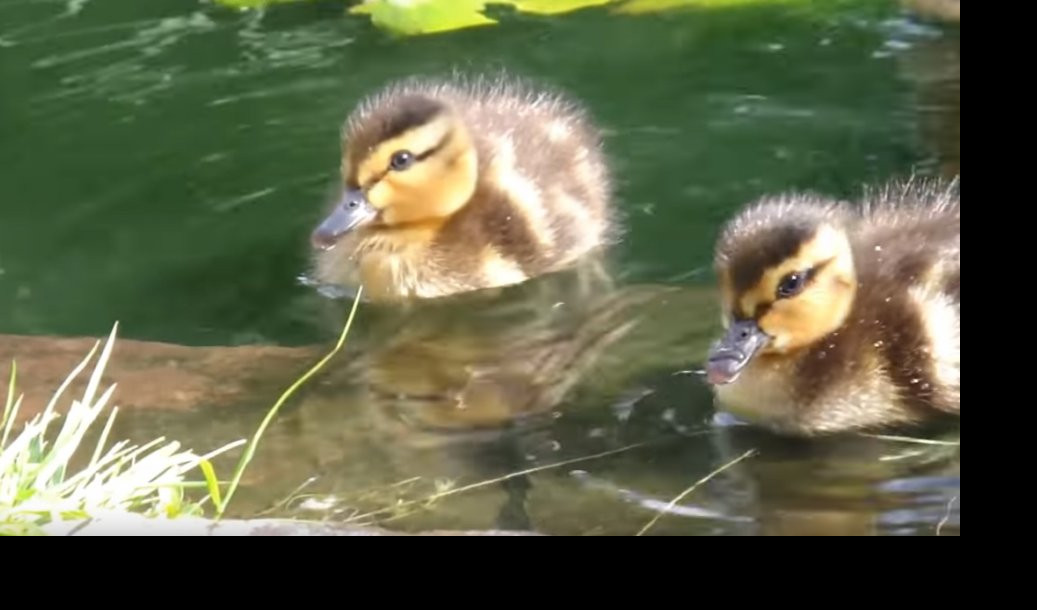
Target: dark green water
x,y
162,163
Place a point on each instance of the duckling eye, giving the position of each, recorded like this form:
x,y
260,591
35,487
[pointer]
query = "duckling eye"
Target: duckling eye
x,y
401,160
791,285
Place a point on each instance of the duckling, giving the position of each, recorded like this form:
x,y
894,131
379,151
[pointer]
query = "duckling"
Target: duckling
x,y
463,184
841,317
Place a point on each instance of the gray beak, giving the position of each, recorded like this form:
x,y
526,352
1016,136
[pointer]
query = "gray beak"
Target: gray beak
x,y
352,211
731,354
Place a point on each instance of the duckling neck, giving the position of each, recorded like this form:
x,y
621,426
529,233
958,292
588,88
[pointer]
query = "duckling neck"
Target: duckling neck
x,y
395,262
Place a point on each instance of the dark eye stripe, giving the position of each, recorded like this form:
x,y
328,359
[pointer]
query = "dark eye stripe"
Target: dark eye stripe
x,y
810,275
436,148
761,309
419,157
813,271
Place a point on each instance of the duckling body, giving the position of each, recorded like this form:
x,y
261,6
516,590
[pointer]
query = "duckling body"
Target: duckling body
x,y
841,317
463,184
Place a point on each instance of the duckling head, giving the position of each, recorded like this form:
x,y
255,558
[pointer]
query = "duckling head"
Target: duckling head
x,y
787,279
408,162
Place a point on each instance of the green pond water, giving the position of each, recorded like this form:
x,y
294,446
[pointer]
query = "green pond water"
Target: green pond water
x,y
162,164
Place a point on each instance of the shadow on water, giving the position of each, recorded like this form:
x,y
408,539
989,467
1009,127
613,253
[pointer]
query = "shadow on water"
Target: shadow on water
x,y
181,158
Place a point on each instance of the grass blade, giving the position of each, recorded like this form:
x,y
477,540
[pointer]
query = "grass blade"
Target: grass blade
x,y
9,403
101,442
693,487
212,483
10,407
250,450
102,362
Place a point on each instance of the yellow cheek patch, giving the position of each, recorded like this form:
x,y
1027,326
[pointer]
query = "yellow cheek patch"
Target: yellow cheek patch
x,y
819,310
401,198
789,324
417,141
455,180
430,190
382,194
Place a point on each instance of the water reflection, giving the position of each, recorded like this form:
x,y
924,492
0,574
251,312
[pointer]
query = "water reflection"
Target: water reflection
x,y
473,386
570,405
216,125
933,64
486,359
855,486
573,399
467,389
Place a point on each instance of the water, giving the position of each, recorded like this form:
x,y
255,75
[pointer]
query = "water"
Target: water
x,y
162,164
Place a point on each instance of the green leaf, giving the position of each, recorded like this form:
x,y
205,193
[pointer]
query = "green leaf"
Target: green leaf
x,y
553,7
423,16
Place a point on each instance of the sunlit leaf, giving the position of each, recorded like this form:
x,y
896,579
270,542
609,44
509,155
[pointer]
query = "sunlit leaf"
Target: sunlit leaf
x,y
423,16
553,7
413,17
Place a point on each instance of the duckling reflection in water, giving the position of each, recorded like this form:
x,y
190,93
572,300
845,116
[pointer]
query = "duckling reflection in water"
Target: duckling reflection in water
x,y
469,388
463,184
477,363
839,317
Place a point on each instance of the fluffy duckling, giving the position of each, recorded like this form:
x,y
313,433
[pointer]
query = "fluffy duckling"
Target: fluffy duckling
x,y
840,318
463,184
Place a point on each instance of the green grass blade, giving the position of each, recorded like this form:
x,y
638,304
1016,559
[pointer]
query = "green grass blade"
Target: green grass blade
x,y
9,403
250,449
11,406
101,442
212,483
102,362
68,381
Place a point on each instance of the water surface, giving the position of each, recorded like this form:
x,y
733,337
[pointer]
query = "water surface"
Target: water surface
x,y
162,163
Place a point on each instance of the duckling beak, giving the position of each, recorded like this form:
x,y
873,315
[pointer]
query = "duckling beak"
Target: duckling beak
x,y
350,212
729,355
